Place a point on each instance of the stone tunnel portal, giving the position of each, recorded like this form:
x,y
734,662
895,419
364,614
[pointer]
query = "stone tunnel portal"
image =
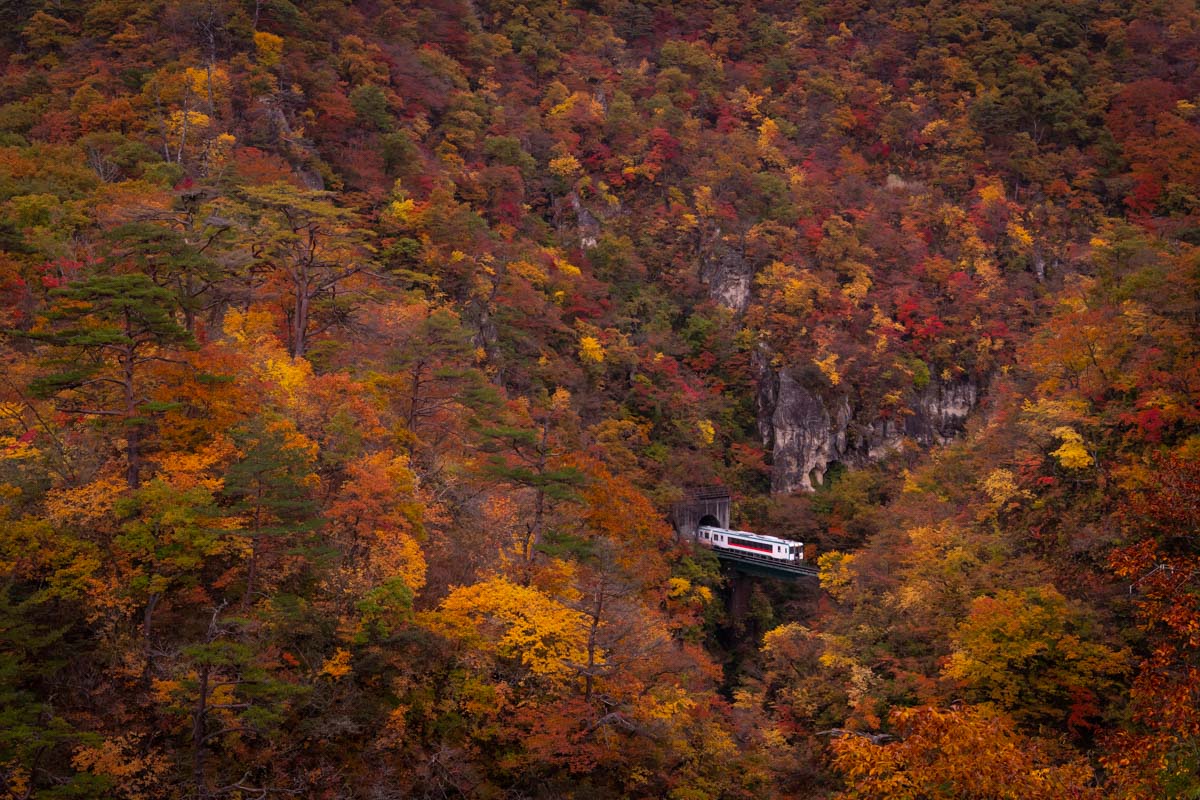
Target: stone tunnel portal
x,y
706,506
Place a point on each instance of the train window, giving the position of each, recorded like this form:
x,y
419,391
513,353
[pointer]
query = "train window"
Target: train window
x,y
750,544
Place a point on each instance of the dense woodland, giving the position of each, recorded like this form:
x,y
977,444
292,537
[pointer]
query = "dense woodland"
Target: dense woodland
x,y
352,353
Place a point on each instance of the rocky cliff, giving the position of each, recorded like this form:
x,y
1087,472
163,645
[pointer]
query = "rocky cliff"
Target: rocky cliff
x,y
806,431
728,273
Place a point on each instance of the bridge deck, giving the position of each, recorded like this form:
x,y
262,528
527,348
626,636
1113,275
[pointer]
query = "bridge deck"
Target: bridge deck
x,y
756,565
715,502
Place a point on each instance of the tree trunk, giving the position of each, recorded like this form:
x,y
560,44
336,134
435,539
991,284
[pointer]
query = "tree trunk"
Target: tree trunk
x,y
252,566
147,637
183,127
593,628
188,293
251,573
300,321
539,511
133,466
414,396
199,716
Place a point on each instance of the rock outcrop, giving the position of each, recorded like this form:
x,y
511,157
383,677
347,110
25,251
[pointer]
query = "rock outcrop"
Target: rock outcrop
x,y
800,429
728,273
585,222
806,431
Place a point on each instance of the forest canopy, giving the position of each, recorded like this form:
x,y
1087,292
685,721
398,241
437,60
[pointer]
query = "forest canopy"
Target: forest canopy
x,y
354,352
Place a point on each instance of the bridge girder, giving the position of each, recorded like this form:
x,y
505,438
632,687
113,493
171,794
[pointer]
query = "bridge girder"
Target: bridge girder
x,y
766,569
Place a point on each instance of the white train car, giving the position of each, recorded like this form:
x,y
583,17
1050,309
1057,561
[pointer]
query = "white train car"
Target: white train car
x,y
751,544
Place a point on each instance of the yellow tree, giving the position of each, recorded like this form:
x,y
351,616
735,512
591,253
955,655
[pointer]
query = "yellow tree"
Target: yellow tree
x,y
962,753
1030,653
531,635
177,97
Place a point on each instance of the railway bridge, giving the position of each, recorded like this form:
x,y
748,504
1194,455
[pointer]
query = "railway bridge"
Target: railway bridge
x,y
710,505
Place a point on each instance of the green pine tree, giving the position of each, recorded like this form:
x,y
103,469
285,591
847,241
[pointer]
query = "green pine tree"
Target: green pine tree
x,y
107,335
270,489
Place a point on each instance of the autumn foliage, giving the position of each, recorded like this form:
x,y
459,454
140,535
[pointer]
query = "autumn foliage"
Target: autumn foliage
x,y
352,354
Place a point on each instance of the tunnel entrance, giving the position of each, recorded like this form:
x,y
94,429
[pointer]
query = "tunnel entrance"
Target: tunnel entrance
x,y
704,506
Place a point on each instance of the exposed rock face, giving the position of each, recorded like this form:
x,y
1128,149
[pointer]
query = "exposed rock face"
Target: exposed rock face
x,y
804,437
302,155
806,432
728,274
586,223
938,414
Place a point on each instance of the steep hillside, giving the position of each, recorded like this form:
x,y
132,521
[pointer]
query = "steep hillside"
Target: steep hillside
x,y
352,353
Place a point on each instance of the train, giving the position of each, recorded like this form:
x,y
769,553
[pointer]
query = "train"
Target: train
x,y
752,545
